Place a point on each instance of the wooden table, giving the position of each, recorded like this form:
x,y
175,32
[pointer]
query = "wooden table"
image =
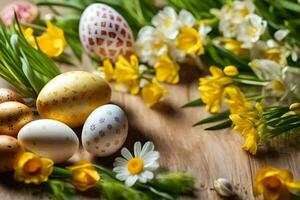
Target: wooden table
x,y
206,155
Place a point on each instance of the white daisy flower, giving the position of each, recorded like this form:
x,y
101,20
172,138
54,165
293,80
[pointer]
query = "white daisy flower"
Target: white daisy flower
x,y
250,30
167,22
137,167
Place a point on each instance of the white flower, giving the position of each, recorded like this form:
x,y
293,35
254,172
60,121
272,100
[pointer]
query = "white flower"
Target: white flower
x,y
167,22
266,69
203,31
281,34
137,167
250,30
150,45
291,77
186,18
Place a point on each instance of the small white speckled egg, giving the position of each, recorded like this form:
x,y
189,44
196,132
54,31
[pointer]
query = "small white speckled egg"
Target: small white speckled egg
x,y
104,33
50,139
105,130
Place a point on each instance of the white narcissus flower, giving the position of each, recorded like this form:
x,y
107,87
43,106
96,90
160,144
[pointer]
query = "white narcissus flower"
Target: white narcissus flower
x,y
291,77
167,22
186,18
203,31
150,45
266,70
137,167
251,29
281,34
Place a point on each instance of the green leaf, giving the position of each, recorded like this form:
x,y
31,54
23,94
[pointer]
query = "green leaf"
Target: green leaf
x,y
62,190
222,125
284,128
214,118
193,103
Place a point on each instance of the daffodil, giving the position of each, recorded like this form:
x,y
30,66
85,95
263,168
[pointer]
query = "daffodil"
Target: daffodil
x,y
275,184
189,41
30,168
52,42
153,92
295,107
84,175
250,125
236,101
233,46
166,70
212,89
28,34
231,70
108,70
137,167
127,73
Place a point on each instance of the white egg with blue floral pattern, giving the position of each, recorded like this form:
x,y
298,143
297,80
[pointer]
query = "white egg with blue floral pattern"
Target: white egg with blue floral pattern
x,y
105,130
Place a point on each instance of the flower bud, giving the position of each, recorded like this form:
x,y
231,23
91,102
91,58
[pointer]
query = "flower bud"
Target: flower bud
x,y
223,187
231,70
295,107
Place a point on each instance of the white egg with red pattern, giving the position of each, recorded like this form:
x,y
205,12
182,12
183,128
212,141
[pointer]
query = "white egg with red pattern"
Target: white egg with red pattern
x,y
104,33
105,130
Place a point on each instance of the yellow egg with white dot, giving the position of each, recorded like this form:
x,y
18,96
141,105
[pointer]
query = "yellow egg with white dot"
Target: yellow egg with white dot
x,y
72,96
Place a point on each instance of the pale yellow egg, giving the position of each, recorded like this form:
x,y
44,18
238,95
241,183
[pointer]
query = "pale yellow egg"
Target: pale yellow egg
x,y
72,96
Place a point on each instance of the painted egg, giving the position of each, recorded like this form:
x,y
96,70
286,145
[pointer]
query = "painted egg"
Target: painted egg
x,y
9,95
13,116
10,151
50,139
105,130
25,11
104,33
72,96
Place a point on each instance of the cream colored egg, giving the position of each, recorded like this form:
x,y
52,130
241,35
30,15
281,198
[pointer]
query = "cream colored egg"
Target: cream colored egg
x,y
105,130
9,95
10,151
72,96
13,116
50,139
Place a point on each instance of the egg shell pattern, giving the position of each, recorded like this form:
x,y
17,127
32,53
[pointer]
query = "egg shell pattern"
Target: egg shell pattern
x,y
13,116
105,130
9,95
104,33
50,139
70,97
10,151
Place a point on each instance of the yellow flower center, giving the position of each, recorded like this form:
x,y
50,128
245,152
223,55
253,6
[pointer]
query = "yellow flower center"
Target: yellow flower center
x,y
168,22
135,166
272,183
33,166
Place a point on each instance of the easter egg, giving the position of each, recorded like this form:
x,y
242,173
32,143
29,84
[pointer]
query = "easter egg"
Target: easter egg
x,y
50,139
104,33
10,151
105,130
70,97
13,116
9,95
25,11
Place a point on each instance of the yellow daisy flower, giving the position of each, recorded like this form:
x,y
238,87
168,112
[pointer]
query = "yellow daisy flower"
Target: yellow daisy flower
x,y
108,70
166,70
212,89
275,184
127,73
52,42
153,93
189,41
30,168
84,175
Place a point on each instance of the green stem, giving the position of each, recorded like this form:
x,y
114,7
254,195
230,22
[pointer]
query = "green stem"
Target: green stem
x,y
105,170
59,171
34,26
66,5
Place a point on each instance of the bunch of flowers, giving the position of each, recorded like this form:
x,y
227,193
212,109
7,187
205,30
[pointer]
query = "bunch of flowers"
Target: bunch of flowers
x,y
133,176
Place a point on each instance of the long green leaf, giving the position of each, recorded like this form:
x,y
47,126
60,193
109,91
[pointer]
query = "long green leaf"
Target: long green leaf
x,y
193,103
222,125
214,118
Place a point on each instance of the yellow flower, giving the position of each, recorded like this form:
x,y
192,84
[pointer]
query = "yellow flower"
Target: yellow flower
x,y
236,101
84,175
108,70
212,89
275,184
234,46
52,42
190,41
127,73
153,93
166,70
249,124
231,70
30,168
28,34
295,107
278,86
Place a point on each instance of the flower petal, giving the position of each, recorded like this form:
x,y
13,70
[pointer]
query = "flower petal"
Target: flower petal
x,y
130,181
126,153
137,148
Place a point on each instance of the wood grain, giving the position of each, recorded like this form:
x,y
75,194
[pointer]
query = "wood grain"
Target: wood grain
x,y
207,155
